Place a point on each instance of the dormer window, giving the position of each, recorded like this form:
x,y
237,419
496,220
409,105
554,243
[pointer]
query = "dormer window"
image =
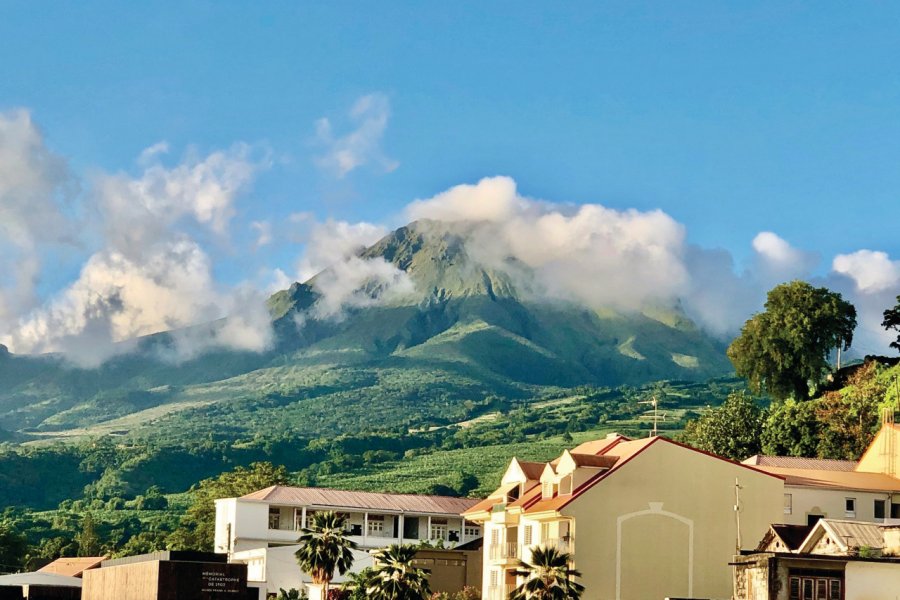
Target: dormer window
x,y
546,489
513,494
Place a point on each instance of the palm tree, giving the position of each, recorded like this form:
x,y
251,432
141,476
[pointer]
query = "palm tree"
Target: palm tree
x,y
324,548
395,578
548,577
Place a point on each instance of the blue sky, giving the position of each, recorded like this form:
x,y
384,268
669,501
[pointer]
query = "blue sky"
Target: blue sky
x,y
732,117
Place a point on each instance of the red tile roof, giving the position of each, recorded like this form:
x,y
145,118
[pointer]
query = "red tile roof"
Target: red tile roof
x,y
532,470
327,498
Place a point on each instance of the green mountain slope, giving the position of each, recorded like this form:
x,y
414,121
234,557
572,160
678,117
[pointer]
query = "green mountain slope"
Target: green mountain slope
x,y
468,331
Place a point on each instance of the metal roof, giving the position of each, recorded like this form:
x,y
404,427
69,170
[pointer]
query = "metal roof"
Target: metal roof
x,y
40,579
327,498
72,567
798,462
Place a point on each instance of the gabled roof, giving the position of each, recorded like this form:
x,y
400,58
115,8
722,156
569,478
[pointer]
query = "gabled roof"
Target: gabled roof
x,y
792,536
72,567
798,462
343,499
588,460
846,534
532,470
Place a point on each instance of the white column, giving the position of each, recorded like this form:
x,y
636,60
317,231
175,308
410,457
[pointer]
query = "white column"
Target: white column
x,y
303,517
365,528
400,524
429,528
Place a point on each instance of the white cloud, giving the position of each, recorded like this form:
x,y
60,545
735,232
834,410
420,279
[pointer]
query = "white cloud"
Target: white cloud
x,y
871,271
263,231
776,261
150,274
35,188
362,145
333,242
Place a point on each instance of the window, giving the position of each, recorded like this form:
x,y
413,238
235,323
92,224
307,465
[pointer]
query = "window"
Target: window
x,y
495,578
528,534
274,518
788,504
547,489
298,519
438,532
895,510
879,509
834,589
545,532
470,530
376,525
850,507
495,537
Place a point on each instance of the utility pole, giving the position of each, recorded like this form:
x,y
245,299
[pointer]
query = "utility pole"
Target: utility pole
x,y
737,515
654,402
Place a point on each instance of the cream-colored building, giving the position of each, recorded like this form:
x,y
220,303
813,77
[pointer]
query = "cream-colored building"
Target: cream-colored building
x,y
643,519
868,490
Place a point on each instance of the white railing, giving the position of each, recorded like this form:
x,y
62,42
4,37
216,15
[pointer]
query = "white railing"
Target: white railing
x,y
504,551
563,544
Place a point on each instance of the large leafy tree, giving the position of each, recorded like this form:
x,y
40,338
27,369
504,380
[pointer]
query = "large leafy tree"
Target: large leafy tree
x,y
892,321
197,528
549,576
325,547
790,428
394,577
13,546
731,430
784,349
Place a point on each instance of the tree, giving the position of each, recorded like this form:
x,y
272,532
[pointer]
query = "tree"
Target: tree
x,y
892,321
394,577
731,430
549,576
88,540
784,349
197,528
12,547
790,428
325,547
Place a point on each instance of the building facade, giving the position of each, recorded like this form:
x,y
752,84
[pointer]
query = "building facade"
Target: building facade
x,y
262,529
867,490
642,519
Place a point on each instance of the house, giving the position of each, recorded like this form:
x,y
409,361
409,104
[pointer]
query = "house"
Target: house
x,y
261,529
867,490
642,519
837,560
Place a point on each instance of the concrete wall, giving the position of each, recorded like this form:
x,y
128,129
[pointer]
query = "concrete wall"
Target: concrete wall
x,y
664,525
139,581
872,581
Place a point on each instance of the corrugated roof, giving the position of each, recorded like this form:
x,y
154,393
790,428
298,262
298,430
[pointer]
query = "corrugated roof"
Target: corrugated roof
x,y
599,446
72,567
327,498
837,480
855,534
797,462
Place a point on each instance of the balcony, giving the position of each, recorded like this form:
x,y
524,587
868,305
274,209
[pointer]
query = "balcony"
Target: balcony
x,y
564,544
500,592
505,552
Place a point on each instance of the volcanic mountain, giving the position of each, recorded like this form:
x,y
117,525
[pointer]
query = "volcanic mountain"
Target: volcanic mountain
x,y
403,331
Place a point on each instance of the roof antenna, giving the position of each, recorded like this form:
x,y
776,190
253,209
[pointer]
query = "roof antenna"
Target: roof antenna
x,y
656,416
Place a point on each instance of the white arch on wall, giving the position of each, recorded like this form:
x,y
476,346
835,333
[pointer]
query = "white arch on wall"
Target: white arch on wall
x,y
656,508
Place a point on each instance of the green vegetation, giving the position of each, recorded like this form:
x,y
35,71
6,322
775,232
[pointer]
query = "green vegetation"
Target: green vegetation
x,y
549,576
394,577
783,350
731,430
325,548
892,321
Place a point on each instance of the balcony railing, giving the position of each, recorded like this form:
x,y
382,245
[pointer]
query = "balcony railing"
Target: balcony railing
x,y
563,544
504,551
500,592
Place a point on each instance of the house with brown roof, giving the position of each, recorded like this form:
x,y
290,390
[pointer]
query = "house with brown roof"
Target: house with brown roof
x,y
261,529
864,490
647,518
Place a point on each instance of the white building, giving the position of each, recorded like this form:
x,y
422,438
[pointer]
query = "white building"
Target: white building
x,y
262,528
